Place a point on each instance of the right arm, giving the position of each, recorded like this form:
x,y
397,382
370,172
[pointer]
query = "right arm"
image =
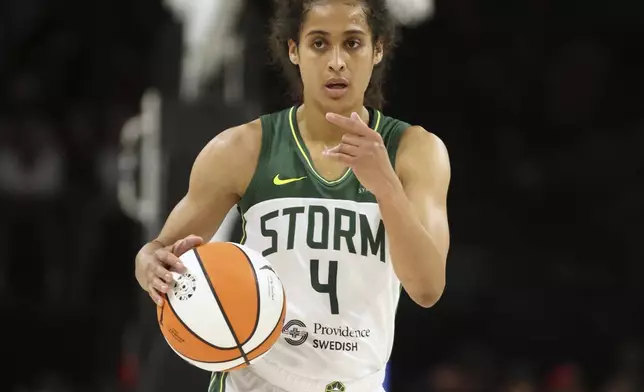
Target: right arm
x,y
214,188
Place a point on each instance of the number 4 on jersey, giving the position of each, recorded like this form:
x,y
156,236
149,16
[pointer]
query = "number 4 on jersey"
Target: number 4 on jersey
x,y
331,287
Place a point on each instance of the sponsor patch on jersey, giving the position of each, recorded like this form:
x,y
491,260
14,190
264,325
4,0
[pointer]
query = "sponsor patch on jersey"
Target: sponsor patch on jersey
x,y
324,337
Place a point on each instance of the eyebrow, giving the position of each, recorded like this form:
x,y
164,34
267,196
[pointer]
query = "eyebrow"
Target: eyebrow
x,y
326,33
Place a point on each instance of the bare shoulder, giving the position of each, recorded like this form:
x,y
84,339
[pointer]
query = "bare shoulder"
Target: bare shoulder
x,y
246,137
417,139
421,150
230,158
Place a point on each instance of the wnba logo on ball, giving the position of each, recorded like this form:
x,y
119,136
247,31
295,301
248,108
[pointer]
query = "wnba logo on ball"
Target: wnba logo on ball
x,y
295,332
185,286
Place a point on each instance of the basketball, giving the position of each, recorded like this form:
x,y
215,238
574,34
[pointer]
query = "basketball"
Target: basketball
x,y
226,311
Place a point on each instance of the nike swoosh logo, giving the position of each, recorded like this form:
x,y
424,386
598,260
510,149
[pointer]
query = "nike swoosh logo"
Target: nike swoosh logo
x,y
278,181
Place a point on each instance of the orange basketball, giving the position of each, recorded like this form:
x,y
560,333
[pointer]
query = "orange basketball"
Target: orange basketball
x,y
226,311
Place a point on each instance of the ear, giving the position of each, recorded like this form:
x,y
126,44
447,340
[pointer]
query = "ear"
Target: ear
x,y
378,53
293,53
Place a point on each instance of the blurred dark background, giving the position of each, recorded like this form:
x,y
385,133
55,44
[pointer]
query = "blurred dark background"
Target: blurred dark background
x,y
538,101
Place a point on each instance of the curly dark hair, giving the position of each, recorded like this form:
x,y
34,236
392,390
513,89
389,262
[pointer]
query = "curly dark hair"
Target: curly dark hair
x,y
287,24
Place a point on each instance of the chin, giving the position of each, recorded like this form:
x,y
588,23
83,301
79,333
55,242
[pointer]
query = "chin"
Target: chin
x,y
342,105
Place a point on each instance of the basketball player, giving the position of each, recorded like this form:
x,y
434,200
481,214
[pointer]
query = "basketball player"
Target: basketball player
x,y
346,203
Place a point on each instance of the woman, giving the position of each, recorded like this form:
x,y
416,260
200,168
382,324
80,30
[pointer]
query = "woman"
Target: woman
x,y
347,204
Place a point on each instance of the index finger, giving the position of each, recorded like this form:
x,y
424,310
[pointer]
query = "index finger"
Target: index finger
x,y
354,124
170,260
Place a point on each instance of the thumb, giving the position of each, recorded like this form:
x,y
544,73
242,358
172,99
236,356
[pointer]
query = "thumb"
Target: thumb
x,y
193,240
186,244
332,150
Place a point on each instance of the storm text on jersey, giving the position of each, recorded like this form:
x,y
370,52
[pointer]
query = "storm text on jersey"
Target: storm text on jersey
x,y
321,235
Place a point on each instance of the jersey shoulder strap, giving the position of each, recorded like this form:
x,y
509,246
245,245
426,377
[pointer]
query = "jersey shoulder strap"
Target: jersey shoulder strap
x,y
391,130
271,138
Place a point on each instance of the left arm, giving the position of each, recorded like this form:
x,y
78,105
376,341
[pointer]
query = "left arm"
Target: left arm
x,y
412,200
414,212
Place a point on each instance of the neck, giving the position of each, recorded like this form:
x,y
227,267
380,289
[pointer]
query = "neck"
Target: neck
x,y
315,128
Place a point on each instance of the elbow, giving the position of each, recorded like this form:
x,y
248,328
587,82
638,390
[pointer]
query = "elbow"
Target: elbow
x,y
428,295
425,284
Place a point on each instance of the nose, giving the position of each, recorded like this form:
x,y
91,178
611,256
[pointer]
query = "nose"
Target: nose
x,y
336,62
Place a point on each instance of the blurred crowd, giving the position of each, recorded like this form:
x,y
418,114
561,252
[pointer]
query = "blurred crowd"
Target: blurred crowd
x,y
539,105
544,128
69,78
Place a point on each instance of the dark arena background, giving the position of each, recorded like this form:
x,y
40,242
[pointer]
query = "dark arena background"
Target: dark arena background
x,y
105,104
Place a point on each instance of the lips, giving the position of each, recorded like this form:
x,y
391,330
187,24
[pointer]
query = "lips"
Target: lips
x,y
336,88
337,84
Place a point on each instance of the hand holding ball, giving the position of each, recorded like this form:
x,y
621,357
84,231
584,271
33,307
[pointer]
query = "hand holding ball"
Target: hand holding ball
x,y
226,311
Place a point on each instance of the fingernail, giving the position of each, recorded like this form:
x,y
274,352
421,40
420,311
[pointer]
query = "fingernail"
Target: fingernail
x,y
168,276
160,302
164,287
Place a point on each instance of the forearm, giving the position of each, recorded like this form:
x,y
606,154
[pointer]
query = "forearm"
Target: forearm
x,y
417,260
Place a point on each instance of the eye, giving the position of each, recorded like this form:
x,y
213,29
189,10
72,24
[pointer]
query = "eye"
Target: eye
x,y
318,44
353,44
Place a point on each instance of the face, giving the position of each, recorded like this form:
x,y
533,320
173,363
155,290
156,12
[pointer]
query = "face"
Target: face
x,y
335,54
